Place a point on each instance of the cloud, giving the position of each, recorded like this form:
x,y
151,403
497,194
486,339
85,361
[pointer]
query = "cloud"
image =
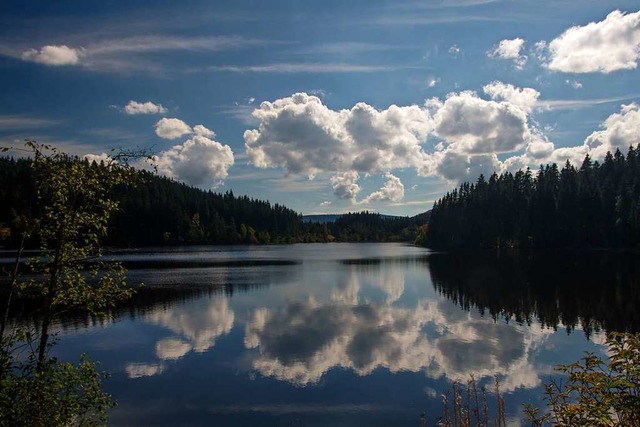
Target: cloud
x,y
198,161
291,68
477,126
455,166
133,108
619,130
540,149
345,185
102,157
432,81
157,43
53,55
572,104
574,84
392,191
525,98
454,50
172,128
203,131
456,138
20,122
606,46
122,54
303,136
510,50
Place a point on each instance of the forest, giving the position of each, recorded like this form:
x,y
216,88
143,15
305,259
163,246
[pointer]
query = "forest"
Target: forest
x,y
162,211
594,206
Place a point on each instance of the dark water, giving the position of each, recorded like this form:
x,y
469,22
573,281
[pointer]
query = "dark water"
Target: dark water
x,y
345,334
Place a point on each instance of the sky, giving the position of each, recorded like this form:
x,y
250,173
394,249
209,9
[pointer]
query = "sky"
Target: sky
x,y
325,106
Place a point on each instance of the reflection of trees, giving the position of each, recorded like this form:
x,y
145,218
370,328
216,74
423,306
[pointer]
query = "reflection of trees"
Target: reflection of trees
x,y
303,340
148,299
599,290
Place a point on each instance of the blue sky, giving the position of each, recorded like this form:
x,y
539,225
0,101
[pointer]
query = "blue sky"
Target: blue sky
x,y
325,106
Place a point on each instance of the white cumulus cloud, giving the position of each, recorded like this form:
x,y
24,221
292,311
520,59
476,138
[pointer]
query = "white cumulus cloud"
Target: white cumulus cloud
x,y
605,46
510,50
619,130
203,131
456,138
198,161
102,157
302,135
456,166
525,98
134,107
478,126
391,191
172,128
53,55
345,185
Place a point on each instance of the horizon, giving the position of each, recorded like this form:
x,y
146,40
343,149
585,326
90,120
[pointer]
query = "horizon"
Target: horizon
x,y
326,107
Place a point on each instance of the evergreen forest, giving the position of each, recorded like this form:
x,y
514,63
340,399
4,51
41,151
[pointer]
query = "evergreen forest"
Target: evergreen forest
x,y
165,212
596,205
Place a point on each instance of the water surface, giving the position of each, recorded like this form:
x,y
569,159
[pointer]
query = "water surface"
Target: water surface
x,y
344,334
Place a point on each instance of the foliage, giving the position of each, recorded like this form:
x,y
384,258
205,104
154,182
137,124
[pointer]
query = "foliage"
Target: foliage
x,y
54,393
597,393
373,227
585,290
70,207
165,212
597,205
469,407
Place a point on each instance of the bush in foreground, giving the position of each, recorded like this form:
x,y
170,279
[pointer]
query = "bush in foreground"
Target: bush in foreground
x,y
596,393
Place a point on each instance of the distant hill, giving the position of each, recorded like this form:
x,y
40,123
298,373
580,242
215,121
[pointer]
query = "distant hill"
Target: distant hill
x,y
331,218
319,219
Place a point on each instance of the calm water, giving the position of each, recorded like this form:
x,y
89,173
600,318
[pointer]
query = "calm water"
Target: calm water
x,y
344,334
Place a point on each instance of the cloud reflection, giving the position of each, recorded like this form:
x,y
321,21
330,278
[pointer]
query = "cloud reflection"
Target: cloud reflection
x,y
140,370
196,329
301,341
172,349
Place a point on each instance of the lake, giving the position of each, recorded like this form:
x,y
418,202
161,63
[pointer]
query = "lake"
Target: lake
x,y
344,334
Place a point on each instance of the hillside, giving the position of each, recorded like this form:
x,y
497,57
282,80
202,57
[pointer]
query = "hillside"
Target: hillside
x,y
161,211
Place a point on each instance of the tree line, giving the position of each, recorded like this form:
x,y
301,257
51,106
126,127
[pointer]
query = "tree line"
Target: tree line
x,y
595,205
163,211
